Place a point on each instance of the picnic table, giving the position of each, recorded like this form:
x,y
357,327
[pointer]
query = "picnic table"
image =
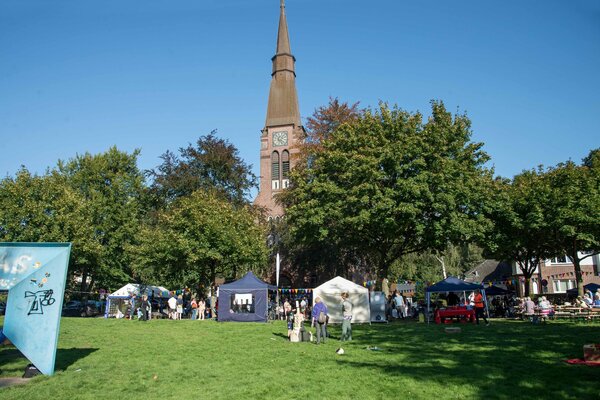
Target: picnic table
x,y
577,313
460,313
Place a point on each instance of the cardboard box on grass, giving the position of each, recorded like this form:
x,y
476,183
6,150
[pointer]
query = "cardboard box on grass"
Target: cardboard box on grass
x,y
591,352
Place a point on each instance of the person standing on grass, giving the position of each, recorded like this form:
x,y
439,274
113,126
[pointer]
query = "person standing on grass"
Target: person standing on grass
x,y
399,303
287,308
179,307
347,318
319,319
479,308
194,305
172,307
145,307
201,309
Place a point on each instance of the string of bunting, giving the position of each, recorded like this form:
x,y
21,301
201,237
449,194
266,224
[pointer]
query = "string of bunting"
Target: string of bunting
x,y
295,290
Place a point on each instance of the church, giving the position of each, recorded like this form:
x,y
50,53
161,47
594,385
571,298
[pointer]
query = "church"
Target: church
x,y
283,130
280,141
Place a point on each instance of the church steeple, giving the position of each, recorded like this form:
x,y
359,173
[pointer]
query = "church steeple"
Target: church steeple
x,y
281,137
282,108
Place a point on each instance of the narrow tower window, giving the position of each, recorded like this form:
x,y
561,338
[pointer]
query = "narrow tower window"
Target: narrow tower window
x,y
275,170
285,169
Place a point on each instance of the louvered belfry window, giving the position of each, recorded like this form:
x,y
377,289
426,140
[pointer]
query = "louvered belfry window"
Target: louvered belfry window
x,y
275,166
285,164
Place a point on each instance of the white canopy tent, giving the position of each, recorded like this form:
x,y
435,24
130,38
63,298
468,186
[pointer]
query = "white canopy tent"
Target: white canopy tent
x,y
134,288
330,292
116,299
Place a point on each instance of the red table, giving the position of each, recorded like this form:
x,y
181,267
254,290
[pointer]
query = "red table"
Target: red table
x,y
461,313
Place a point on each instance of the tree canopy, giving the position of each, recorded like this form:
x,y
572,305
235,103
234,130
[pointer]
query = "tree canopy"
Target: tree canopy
x,y
574,212
211,164
388,184
521,218
197,238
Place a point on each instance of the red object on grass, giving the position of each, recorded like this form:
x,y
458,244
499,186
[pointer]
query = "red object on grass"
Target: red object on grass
x,y
462,312
582,361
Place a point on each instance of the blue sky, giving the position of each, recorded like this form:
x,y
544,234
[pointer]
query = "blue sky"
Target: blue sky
x,y
79,76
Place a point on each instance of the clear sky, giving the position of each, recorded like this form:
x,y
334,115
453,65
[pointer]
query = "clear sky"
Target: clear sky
x,y
79,76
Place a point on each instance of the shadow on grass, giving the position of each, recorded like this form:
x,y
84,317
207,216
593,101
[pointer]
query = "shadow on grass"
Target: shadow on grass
x,y
67,357
506,360
13,362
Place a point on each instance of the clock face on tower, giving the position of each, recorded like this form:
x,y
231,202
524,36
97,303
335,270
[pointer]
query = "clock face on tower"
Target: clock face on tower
x,y
280,138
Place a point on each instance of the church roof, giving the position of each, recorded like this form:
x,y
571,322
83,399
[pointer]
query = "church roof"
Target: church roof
x,y
282,108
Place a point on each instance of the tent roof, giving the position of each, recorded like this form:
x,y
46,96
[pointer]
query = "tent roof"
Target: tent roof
x,y
495,291
248,282
135,288
452,284
342,285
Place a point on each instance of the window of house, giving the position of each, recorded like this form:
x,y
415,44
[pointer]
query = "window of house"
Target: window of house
x,y
562,285
559,260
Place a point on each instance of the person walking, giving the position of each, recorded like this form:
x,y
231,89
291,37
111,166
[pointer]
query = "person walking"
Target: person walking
x,y
347,318
479,308
319,319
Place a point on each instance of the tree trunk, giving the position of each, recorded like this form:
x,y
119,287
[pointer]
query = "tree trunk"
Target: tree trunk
x,y
441,260
83,286
577,266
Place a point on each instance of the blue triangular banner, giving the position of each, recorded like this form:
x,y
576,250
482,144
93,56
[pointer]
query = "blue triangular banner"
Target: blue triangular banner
x,y
35,274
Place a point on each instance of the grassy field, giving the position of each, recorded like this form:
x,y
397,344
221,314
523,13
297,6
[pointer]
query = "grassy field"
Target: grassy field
x,y
163,359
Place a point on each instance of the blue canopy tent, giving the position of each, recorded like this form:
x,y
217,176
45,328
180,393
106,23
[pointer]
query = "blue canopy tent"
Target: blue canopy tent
x,y
245,300
452,284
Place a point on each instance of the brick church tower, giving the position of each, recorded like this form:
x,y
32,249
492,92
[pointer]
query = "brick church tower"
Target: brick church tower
x,y
283,131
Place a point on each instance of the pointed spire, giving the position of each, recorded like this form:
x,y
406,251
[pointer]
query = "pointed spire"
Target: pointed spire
x,y
283,99
283,39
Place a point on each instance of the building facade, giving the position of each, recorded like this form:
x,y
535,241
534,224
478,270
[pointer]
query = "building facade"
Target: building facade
x,y
557,275
283,131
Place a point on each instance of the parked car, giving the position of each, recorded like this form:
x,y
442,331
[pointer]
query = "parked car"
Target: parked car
x,y
76,308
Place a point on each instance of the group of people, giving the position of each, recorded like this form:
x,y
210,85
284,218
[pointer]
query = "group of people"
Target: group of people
x,y
283,311
528,308
588,300
196,308
397,306
319,316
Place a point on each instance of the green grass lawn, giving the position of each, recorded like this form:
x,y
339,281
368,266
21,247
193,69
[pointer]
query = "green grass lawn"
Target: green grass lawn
x,y
163,359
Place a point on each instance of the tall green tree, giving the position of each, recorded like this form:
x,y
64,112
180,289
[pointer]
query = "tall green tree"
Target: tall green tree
x,y
113,187
522,222
47,209
390,184
324,259
211,164
575,210
197,238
